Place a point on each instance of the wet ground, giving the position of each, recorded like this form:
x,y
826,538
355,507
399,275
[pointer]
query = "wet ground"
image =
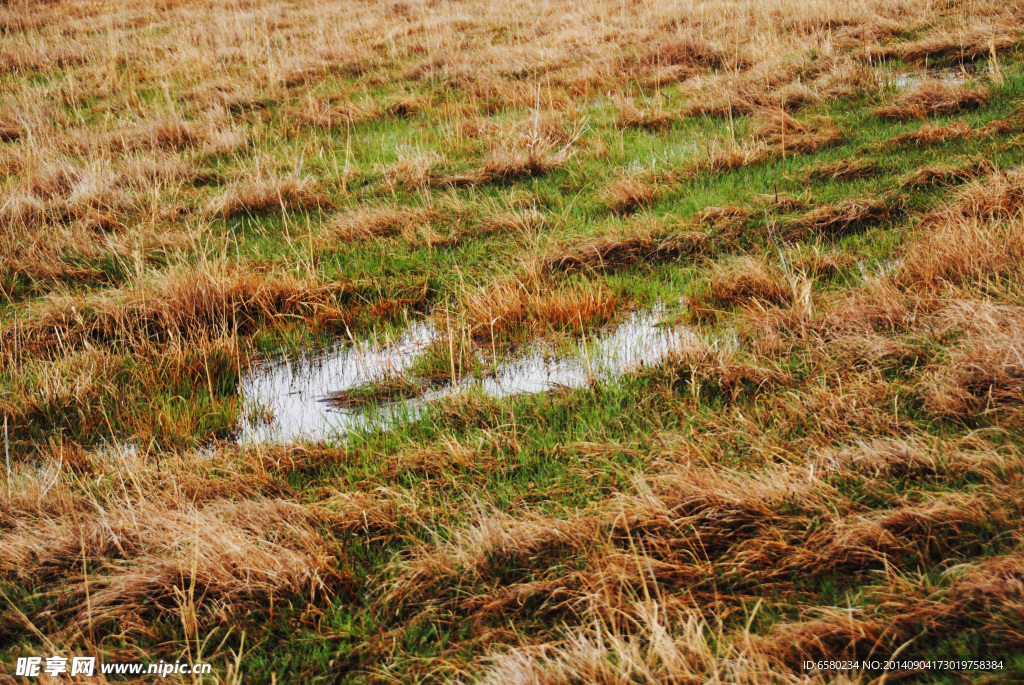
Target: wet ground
x,y
288,398
904,80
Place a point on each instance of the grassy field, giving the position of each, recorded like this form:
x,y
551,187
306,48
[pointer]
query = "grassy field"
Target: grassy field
x,y
827,197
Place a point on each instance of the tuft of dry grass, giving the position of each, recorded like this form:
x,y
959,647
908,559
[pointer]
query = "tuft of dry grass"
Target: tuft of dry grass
x,y
516,310
414,173
325,113
184,304
977,239
727,222
62,192
733,157
381,222
631,116
664,643
628,194
10,127
543,128
843,217
406,106
933,97
835,634
947,174
165,133
631,246
253,195
505,164
983,375
929,135
688,48
705,368
388,389
748,281
965,45
163,544
518,222
778,128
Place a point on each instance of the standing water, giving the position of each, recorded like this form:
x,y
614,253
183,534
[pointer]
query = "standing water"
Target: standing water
x,y
287,398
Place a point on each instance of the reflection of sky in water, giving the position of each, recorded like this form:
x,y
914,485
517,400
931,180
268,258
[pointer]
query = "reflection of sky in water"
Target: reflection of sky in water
x,y
292,391
909,79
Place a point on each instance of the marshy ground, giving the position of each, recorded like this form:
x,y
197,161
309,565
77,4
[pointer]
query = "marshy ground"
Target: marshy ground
x,y
820,204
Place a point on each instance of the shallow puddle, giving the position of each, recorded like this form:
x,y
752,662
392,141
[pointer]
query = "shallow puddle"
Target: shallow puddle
x,y
290,394
292,390
904,80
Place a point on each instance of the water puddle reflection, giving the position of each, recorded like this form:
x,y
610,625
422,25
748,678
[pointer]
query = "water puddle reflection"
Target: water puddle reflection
x,y
904,80
287,397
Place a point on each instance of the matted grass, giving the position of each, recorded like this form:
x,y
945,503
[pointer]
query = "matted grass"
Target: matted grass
x,y
828,195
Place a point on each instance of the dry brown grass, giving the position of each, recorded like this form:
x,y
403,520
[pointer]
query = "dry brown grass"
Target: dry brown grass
x,y
965,45
667,643
552,128
184,304
1011,124
689,49
947,174
983,375
117,116
722,218
684,518
323,112
446,457
770,85
917,458
517,310
631,246
652,119
731,157
976,240
382,222
933,97
405,106
748,281
439,42
414,172
254,195
929,135
389,389
704,529
706,368
516,222
778,128
64,192
504,164
165,545
165,133
628,194
843,217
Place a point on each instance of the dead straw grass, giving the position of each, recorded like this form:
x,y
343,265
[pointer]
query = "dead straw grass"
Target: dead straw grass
x,y
634,245
629,194
843,217
180,305
268,194
933,97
